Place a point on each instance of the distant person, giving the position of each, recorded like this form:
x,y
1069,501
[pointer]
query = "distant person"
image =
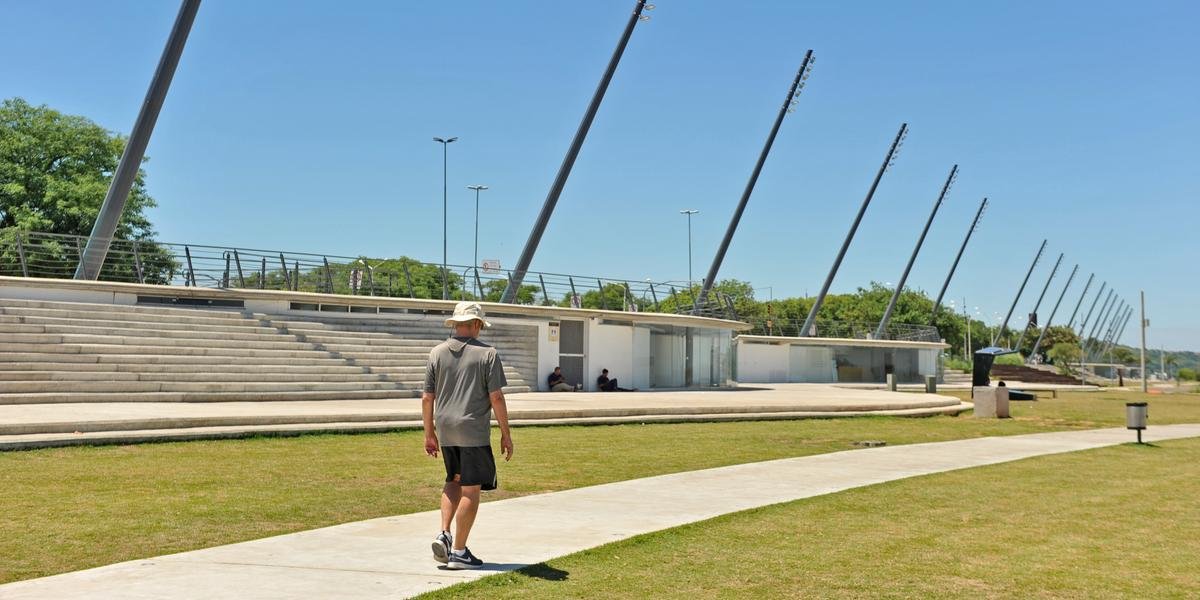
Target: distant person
x,y
558,382
462,389
604,384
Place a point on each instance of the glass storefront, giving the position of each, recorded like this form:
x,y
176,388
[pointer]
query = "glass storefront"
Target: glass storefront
x,y
690,357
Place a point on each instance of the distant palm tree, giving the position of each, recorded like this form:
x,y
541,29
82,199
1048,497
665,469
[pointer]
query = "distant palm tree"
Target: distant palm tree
x,y
1170,361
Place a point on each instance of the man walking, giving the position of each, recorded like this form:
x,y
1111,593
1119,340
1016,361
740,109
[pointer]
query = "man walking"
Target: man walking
x,y
462,389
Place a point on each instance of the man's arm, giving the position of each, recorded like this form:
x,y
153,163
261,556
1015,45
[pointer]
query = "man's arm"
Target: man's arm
x,y
500,410
431,441
427,398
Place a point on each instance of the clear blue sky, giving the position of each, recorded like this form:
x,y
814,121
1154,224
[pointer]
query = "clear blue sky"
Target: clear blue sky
x,y
307,126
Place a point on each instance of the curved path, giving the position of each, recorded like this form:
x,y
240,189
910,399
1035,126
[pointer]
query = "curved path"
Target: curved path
x,y
389,557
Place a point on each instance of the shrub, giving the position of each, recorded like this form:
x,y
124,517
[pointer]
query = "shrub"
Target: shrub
x,y
957,364
1010,359
1186,374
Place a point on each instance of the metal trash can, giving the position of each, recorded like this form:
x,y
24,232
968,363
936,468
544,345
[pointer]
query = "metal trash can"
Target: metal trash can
x,y
1136,414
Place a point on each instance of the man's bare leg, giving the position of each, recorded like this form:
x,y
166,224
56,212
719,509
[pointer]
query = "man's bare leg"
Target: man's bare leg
x,y
451,494
464,518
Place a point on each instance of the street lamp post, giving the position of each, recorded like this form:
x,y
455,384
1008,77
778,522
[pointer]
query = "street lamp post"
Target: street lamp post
x,y
445,272
475,265
689,212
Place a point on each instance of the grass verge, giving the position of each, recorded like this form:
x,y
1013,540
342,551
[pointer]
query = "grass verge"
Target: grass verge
x,y
74,508
1109,523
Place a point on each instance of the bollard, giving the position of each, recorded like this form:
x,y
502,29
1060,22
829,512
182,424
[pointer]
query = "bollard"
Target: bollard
x,y
891,382
931,384
991,402
1136,414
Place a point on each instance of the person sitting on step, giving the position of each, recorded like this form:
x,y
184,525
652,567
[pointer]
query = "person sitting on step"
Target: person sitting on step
x,y
558,382
604,384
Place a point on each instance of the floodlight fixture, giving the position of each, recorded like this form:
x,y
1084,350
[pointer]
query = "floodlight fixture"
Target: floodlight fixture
x,y
564,171
786,108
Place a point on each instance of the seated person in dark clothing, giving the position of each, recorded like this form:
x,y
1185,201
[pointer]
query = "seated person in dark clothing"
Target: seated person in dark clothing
x,y
558,382
604,384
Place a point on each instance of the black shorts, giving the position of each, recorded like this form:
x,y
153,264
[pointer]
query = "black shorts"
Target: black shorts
x,y
474,465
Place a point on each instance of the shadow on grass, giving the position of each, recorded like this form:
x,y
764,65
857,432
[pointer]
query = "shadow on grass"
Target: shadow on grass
x,y
1143,445
544,571
538,571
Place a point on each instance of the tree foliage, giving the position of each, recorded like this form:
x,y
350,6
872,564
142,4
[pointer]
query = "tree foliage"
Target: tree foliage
x,y
1063,354
54,172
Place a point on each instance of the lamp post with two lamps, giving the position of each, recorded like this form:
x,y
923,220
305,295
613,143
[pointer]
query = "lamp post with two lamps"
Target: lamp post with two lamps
x,y
689,212
477,188
445,273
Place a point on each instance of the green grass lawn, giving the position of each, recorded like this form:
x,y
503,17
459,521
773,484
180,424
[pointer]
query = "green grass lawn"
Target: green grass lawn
x,y
72,508
1118,522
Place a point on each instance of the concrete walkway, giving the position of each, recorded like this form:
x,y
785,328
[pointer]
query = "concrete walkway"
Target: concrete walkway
x,y
389,557
24,426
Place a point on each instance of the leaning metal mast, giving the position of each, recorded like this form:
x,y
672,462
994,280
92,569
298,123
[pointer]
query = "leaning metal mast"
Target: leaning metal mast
x,y
1021,290
789,105
1075,313
888,161
887,314
1050,319
937,304
105,228
1038,305
564,170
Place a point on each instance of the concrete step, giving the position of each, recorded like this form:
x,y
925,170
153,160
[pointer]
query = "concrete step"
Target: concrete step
x,y
77,397
72,310
9,367
317,372
281,343
62,354
28,387
274,337
388,342
267,377
431,328
250,326
209,376
42,376
388,362
368,353
6,327
157,350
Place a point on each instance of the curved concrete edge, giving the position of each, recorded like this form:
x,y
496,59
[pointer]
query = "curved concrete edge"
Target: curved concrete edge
x,y
181,434
541,415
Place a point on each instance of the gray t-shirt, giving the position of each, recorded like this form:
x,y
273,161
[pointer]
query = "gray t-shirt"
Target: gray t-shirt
x,y
461,373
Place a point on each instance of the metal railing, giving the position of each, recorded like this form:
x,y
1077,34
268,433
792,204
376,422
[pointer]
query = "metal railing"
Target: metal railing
x,y
36,254
845,330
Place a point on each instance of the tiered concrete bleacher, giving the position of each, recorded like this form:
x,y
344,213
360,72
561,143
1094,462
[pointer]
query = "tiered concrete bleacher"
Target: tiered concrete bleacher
x,y
1027,374
54,352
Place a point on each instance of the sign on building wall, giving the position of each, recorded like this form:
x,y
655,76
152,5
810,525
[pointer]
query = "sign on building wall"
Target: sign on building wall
x,y
553,332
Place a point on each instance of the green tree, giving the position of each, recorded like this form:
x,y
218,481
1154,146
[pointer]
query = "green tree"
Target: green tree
x,y
1123,355
494,290
1063,354
1057,334
54,172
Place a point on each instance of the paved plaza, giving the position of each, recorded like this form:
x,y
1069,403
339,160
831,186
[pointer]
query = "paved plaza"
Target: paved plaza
x,y
41,425
389,557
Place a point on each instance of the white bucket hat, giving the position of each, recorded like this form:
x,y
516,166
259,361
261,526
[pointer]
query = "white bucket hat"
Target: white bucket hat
x,y
467,311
